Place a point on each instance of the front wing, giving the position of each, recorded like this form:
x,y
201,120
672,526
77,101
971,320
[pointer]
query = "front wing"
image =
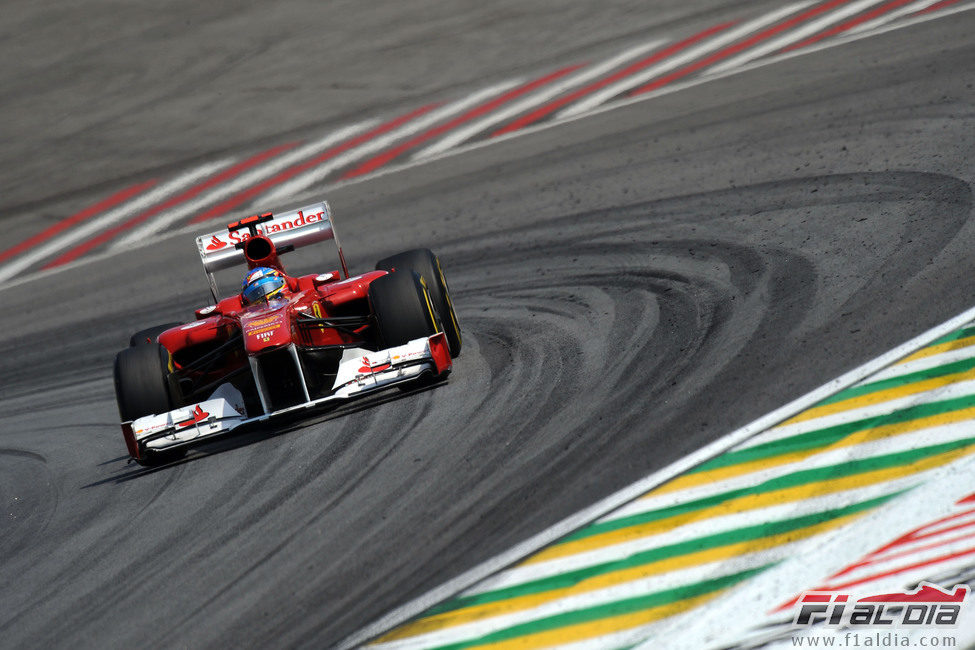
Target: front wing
x,y
224,411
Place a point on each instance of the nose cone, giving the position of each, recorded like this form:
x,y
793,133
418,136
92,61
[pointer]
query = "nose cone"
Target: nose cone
x,y
266,329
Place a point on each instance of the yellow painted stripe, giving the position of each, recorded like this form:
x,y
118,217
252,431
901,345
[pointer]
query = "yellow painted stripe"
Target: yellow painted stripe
x,y
932,350
602,626
745,503
880,396
867,435
610,579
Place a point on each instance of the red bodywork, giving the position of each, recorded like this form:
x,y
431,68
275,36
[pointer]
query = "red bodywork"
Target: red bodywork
x,y
294,319
271,325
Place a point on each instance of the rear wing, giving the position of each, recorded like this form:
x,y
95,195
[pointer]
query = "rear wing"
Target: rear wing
x,y
287,231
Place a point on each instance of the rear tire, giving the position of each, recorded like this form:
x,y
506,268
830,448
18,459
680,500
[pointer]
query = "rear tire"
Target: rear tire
x,y
402,307
423,262
142,384
150,334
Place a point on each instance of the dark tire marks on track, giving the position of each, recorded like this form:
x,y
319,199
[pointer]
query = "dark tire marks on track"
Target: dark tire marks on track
x,y
631,286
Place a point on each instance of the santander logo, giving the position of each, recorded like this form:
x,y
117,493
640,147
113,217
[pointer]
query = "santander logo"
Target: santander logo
x,y
216,244
292,221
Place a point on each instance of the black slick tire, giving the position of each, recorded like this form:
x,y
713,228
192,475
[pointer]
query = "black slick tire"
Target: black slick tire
x,y
142,384
402,308
423,262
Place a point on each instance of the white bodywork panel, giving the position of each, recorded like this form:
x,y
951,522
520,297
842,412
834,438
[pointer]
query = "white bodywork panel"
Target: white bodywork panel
x,y
359,372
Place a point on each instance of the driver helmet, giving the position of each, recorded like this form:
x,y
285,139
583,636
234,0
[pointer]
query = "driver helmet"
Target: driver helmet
x,y
263,283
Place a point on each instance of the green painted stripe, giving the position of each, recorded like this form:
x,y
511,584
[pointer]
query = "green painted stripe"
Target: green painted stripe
x,y
795,479
830,435
954,336
902,380
727,538
617,608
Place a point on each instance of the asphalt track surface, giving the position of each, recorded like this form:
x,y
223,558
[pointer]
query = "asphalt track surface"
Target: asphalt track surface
x,y
631,286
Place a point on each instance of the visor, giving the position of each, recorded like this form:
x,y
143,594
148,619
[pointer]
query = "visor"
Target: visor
x,y
262,288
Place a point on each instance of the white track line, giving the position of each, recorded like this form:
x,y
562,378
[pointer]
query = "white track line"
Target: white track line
x,y
690,55
621,640
242,182
641,487
284,191
120,213
891,16
794,36
588,74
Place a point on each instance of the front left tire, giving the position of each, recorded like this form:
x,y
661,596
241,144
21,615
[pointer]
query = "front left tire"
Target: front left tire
x,y
424,263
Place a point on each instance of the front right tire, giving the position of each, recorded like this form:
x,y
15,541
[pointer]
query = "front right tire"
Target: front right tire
x,y
142,387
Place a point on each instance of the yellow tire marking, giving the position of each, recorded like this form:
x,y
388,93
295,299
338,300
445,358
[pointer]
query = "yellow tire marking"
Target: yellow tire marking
x,y
450,304
426,296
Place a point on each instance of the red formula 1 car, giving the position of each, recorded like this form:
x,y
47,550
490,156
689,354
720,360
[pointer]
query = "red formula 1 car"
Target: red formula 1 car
x,y
286,343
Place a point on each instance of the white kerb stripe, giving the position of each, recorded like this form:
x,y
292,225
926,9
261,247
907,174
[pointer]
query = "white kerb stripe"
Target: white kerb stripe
x,y
795,36
690,55
639,587
586,75
892,16
318,174
622,639
110,218
240,183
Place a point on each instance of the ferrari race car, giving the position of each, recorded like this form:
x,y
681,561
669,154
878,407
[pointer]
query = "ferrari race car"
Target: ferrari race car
x,y
285,343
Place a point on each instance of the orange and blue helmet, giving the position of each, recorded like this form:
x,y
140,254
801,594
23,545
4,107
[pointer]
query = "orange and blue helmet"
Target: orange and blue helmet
x,y
263,283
